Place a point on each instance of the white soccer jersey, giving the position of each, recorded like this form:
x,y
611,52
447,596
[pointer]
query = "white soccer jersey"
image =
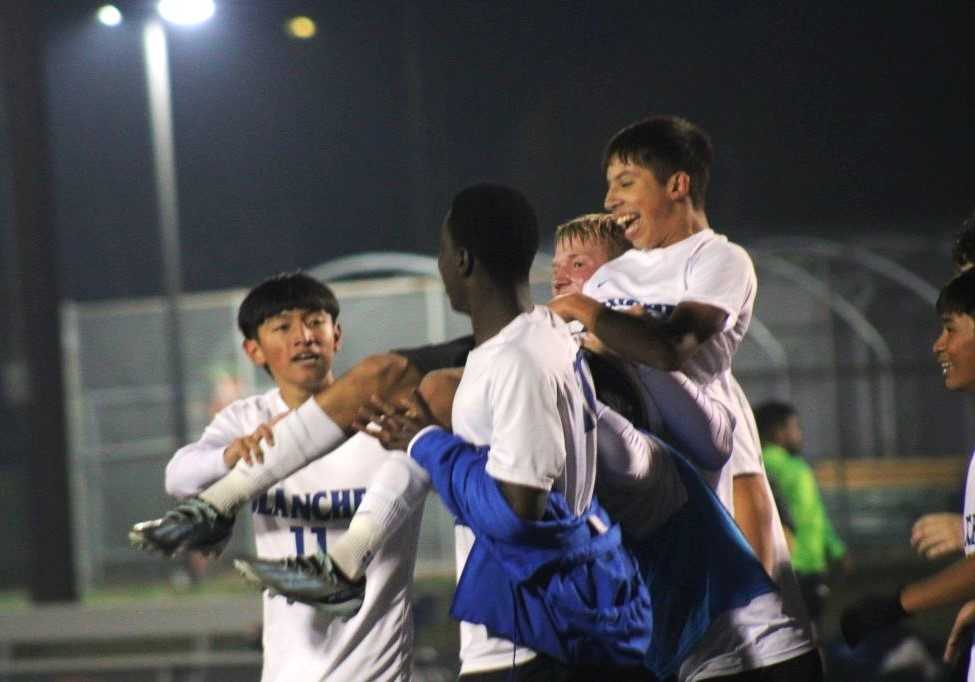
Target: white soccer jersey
x,y
968,511
521,395
305,512
707,268
968,508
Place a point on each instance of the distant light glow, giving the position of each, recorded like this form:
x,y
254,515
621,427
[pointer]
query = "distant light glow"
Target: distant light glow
x,y
302,28
109,15
186,12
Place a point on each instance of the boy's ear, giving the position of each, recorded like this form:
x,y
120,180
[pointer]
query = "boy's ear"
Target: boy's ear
x,y
337,335
679,185
253,350
465,262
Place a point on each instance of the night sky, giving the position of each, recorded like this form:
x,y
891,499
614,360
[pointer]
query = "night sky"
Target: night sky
x,y
825,118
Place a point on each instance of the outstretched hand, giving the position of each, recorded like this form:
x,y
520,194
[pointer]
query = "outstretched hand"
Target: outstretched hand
x,y
936,535
394,426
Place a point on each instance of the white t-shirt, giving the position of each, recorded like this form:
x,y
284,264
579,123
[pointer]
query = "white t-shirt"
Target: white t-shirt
x,y
520,394
707,268
310,509
969,536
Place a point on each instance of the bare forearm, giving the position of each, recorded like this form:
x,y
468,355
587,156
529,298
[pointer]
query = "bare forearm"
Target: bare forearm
x,y
950,586
645,340
388,375
753,513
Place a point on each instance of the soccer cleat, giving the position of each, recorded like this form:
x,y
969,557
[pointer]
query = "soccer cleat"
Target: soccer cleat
x,y
310,580
192,525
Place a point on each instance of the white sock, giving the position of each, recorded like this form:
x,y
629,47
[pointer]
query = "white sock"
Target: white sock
x,y
397,487
303,436
355,549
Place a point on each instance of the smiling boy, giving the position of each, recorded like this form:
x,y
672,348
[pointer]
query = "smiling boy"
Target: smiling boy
x,y
290,328
699,289
954,350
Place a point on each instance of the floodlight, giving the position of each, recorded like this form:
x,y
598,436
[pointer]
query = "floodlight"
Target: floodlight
x,y
186,12
302,28
109,15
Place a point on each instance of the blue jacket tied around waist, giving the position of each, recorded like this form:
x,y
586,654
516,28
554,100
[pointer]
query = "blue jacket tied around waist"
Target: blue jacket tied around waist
x,y
563,585
697,565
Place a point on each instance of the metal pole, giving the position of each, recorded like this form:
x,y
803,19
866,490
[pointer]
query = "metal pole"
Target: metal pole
x,y
164,158
51,573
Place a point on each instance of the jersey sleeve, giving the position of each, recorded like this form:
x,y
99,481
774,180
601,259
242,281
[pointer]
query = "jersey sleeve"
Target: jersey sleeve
x,y
527,437
722,275
195,466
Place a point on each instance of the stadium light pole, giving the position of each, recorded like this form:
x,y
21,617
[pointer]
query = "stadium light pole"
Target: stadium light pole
x,y
156,54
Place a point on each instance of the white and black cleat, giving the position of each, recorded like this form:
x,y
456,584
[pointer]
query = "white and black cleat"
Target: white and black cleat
x,y
193,525
309,580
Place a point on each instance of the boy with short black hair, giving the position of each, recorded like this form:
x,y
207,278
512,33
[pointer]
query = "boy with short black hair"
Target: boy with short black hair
x,y
700,289
290,327
954,350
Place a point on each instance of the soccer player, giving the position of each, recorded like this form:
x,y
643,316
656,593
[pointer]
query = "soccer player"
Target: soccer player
x,y
526,393
954,351
290,327
677,528
941,534
699,289
817,545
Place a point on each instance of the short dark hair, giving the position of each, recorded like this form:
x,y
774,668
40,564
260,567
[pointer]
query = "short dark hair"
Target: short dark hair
x,y
771,416
498,226
284,291
665,145
963,250
957,297
595,227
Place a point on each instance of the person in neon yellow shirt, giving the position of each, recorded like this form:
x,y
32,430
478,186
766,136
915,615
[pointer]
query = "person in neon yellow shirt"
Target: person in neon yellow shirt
x,y
816,545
